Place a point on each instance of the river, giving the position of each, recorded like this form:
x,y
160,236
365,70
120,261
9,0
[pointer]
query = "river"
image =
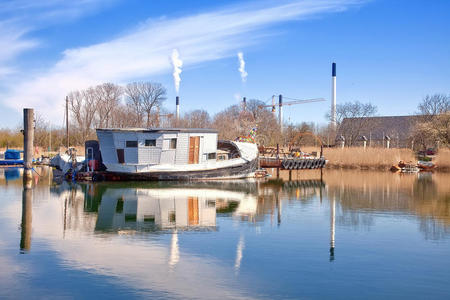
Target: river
x,y
339,234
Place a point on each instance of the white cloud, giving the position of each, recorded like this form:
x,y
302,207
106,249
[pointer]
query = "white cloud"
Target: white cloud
x,y
20,18
12,44
144,50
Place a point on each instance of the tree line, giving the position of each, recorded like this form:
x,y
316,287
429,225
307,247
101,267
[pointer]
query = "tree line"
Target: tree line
x,y
429,127
140,104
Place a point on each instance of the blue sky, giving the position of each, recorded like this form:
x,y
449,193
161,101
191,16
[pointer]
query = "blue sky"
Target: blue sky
x,y
391,53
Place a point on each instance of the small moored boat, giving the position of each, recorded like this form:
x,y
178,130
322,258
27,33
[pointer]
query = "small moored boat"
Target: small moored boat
x,y
11,158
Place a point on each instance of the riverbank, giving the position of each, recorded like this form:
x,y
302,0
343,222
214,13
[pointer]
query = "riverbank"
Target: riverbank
x,y
442,160
376,158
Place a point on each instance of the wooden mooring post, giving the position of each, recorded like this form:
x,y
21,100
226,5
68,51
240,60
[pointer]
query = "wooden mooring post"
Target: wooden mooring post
x,y
28,141
27,194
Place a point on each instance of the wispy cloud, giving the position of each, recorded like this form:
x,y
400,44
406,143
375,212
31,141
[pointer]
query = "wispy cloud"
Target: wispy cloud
x,y
19,18
49,10
144,50
12,44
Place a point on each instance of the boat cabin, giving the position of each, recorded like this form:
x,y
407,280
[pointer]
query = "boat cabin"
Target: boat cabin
x,y
159,146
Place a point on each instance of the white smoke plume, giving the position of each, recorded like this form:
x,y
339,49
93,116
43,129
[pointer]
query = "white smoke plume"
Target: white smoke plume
x,y
177,63
242,66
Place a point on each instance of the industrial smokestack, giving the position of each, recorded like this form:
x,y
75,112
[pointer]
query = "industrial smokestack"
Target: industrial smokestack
x,y
280,111
333,97
244,103
177,101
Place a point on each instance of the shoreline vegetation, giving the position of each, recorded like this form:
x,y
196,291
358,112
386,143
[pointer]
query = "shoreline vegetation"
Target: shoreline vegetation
x,y
376,158
380,159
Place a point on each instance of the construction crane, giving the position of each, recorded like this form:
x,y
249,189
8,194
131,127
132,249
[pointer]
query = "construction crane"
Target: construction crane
x,y
162,118
280,104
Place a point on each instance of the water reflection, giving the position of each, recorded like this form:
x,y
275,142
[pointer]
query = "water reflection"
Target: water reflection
x,y
27,208
332,227
156,209
238,239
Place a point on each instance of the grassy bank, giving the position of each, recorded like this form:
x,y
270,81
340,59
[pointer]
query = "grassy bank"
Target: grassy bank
x,y
376,158
369,158
443,160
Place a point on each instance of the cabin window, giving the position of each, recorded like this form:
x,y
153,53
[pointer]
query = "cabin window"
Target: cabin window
x,y
150,143
173,144
131,144
222,156
212,155
130,218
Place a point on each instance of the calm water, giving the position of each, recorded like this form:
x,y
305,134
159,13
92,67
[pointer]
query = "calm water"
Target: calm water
x,y
352,235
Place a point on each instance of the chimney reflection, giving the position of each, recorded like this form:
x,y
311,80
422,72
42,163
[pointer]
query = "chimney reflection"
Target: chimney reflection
x,y
239,249
174,250
27,199
332,226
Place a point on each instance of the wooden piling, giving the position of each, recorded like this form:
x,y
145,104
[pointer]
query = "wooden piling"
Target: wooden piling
x,y
28,141
67,122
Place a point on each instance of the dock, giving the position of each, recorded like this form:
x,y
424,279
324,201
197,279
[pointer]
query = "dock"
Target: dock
x,y
293,160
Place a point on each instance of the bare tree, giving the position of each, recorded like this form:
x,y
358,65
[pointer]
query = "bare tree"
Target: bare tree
x,y
234,121
353,118
83,105
143,97
433,105
195,119
108,98
436,129
41,132
435,124
123,116
134,102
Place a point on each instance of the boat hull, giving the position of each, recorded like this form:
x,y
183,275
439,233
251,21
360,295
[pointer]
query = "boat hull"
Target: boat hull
x,y
244,170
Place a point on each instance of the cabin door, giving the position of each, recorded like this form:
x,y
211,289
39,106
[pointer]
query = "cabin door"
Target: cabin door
x,y
194,149
120,156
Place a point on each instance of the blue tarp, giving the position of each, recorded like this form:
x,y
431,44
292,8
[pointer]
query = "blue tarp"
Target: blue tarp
x,y
12,154
11,162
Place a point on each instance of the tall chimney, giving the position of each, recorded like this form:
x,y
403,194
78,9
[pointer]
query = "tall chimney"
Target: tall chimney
x,y
244,103
280,111
333,97
178,109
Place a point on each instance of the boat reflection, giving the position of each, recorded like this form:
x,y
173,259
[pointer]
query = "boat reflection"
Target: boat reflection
x,y
157,209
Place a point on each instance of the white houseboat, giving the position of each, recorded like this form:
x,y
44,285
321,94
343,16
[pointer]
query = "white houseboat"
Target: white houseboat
x,y
175,154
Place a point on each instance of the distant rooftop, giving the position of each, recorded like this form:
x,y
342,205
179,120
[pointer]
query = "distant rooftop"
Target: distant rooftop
x,y
377,127
160,130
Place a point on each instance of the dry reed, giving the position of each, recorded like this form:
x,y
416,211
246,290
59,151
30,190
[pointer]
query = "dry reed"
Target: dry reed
x,y
369,158
443,159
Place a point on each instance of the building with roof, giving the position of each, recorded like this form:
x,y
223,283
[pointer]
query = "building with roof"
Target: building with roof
x,y
378,130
